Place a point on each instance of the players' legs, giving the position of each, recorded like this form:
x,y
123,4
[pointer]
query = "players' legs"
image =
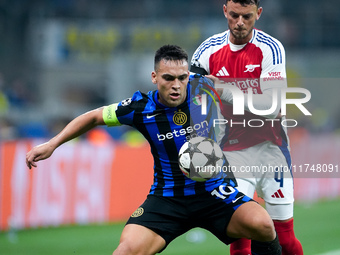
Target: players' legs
x,y
242,246
279,201
246,185
136,239
282,216
277,190
252,221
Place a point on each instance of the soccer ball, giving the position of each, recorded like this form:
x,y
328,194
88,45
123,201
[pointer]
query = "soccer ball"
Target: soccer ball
x,y
201,158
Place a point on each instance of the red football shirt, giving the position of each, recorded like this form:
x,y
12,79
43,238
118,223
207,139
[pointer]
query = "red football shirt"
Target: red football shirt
x,y
259,65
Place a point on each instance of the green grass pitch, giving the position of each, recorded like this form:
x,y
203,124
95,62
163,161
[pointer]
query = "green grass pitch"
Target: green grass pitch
x,y
317,225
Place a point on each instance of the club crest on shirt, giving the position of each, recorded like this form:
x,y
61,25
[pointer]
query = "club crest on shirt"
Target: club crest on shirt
x,y
180,118
251,68
138,212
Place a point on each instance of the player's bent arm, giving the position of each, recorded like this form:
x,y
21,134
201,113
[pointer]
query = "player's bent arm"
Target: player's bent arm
x,y
75,128
79,126
267,104
260,102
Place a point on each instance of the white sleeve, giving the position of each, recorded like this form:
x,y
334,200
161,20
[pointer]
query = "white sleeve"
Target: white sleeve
x,y
267,104
273,74
261,103
200,58
273,78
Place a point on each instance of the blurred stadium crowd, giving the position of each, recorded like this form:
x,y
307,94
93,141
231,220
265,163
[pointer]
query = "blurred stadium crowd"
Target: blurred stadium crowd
x,y
59,58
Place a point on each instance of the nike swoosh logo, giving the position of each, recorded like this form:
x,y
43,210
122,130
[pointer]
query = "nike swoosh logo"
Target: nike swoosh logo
x,y
234,201
153,115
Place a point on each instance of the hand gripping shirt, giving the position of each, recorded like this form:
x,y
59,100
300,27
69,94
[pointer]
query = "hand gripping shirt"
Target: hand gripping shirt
x,y
167,129
258,65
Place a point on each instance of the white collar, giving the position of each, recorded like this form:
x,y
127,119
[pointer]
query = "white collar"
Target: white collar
x,y
235,47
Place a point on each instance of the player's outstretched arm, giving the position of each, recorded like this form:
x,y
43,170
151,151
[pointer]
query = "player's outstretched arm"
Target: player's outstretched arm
x,y
75,128
263,102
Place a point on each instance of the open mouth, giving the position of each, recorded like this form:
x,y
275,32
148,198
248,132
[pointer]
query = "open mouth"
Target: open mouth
x,y
174,96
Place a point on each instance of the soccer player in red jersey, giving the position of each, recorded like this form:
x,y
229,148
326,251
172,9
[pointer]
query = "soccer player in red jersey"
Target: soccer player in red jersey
x,y
254,62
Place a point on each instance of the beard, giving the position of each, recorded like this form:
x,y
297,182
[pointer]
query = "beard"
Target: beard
x,y
241,34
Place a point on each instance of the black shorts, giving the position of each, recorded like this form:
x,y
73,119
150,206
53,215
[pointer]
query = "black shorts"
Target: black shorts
x,y
171,217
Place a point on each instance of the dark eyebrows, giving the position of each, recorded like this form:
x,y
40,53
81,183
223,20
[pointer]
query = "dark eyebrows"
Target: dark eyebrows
x,y
170,77
182,77
247,15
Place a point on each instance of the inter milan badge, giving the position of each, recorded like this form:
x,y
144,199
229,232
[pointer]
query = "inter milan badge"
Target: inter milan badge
x,y
180,118
138,212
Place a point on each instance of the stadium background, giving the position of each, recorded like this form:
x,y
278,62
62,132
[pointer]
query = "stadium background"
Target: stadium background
x,y
61,58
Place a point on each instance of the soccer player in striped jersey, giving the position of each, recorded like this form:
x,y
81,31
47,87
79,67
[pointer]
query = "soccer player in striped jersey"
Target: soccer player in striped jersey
x,y
168,117
254,62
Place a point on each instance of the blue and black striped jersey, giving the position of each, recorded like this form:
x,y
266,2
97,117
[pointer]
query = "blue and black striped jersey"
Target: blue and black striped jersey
x,y
168,128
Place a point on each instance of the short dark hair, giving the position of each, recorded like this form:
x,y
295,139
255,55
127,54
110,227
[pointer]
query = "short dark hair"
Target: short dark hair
x,y
170,52
246,2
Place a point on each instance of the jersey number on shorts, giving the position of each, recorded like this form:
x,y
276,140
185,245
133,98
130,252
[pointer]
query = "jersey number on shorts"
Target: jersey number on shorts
x,y
279,176
222,193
